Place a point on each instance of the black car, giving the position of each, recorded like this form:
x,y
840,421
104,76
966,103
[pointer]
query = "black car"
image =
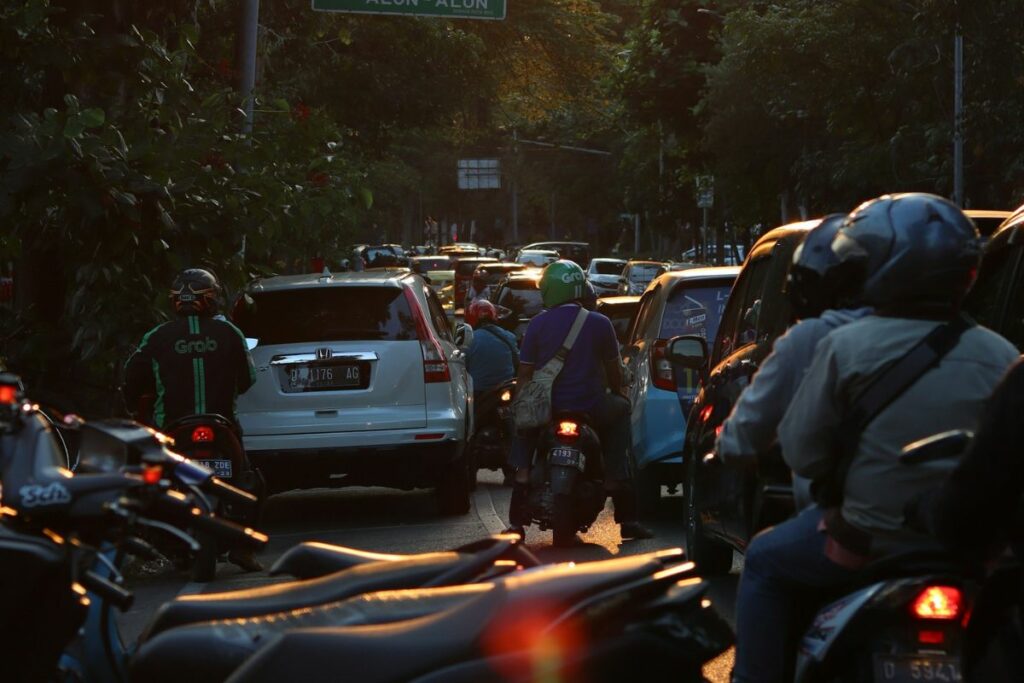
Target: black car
x,y
725,505
997,298
519,294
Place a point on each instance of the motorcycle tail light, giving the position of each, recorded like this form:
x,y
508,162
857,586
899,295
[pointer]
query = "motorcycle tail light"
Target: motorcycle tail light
x,y
152,475
202,434
931,637
938,602
506,396
568,429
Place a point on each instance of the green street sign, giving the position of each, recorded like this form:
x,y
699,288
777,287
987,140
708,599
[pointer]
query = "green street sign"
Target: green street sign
x,y
451,9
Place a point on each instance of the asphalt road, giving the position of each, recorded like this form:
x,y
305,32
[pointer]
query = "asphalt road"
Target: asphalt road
x,y
386,520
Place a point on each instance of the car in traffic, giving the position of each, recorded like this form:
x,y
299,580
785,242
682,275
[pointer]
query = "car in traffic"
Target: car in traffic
x,y
464,268
421,265
987,220
578,252
997,298
358,382
725,505
675,303
732,254
620,310
604,274
379,256
537,258
636,275
518,297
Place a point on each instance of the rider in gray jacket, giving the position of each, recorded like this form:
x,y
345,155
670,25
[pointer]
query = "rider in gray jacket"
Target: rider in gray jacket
x,y
823,299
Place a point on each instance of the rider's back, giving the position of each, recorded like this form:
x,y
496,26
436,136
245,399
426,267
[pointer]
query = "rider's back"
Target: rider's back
x,y
948,396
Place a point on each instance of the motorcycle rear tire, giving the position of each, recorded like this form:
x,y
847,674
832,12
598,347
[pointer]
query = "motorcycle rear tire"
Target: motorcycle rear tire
x,y
204,566
563,523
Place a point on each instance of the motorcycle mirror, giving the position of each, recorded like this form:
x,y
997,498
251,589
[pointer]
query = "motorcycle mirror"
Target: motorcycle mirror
x,y
250,343
942,446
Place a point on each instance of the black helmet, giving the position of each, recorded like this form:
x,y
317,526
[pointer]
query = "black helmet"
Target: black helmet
x,y
817,281
589,298
195,292
916,253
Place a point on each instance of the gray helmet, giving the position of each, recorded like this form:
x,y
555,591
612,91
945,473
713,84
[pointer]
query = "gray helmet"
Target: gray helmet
x,y
916,253
816,279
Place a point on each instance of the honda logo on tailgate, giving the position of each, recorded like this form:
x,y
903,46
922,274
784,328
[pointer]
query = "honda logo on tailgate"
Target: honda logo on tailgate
x,y
323,354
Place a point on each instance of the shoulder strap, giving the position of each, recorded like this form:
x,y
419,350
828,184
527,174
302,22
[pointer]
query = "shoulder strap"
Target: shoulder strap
x,y
574,332
888,385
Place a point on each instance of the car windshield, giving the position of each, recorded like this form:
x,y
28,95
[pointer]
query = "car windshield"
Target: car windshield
x,y
327,314
524,301
695,309
645,272
423,265
606,267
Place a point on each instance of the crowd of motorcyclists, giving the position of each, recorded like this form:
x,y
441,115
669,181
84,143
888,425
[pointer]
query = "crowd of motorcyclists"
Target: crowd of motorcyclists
x,y
880,355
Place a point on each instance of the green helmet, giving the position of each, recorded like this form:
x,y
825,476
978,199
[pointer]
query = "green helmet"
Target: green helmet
x,y
561,282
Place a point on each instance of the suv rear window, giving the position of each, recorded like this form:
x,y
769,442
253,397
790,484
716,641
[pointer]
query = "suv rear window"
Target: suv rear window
x,y
425,265
524,300
607,267
297,316
645,272
695,309
465,268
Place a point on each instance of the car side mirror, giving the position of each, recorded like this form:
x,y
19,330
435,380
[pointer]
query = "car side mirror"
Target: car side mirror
x,y
463,336
688,351
942,446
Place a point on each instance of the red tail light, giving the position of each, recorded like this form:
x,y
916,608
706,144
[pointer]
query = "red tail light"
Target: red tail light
x,y
202,434
435,365
8,394
938,602
152,475
661,368
568,429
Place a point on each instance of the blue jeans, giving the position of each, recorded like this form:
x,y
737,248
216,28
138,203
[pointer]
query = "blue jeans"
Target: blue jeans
x,y
780,566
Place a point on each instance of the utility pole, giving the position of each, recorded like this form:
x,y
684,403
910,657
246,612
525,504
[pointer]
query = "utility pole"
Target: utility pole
x,y
515,188
958,115
247,37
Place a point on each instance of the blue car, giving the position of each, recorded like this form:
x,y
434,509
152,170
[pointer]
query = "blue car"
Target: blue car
x,y
675,303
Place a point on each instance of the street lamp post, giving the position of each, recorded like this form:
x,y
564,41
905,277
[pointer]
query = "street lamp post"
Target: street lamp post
x,y
958,116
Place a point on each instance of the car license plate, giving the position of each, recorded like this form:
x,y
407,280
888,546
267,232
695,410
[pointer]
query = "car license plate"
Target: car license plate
x,y
567,457
220,468
914,668
323,377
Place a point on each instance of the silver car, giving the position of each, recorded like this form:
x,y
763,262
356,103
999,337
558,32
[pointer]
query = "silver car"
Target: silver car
x,y
359,382
604,274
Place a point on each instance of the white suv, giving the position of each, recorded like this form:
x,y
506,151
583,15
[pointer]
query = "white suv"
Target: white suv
x,y
359,382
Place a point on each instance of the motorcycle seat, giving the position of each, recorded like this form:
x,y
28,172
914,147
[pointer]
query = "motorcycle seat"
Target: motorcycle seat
x,y
293,595
313,558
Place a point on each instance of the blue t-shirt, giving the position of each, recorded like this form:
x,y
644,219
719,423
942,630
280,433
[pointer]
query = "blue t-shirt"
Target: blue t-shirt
x,y
580,385
491,360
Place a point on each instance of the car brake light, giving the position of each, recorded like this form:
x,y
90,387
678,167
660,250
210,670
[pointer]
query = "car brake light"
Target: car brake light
x,y
8,394
202,434
435,365
661,367
568,429
938,602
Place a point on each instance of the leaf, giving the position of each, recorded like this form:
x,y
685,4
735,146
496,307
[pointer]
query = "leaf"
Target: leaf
x,y
281,104
92,117
345,36
367,196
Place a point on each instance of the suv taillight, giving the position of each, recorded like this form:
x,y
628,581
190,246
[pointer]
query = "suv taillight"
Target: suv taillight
x,y
435,365
661,368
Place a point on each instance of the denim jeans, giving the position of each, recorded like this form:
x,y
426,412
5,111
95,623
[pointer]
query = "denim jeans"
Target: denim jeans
x,y
782,566
610,420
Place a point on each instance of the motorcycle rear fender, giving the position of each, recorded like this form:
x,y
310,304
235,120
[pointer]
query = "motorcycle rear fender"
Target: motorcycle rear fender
x,y
563,479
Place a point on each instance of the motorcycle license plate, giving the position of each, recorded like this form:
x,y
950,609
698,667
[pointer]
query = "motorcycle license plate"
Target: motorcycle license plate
x,y
567,457
220,468
915,668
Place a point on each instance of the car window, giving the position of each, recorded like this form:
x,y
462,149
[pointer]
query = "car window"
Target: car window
x,y
695,309
437,315
524,301
606,268
739,324
775,314
643,317
985,301
643,272
465,268
327,313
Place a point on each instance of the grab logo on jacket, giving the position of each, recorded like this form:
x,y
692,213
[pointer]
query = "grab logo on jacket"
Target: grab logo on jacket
x,y
198,346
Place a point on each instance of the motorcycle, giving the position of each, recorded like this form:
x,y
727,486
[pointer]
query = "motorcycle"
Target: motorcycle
x,y
489,447
906,619
213,442
641,617
566,489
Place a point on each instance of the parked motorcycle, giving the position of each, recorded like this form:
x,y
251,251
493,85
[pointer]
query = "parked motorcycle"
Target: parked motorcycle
x,y
566,488
492,438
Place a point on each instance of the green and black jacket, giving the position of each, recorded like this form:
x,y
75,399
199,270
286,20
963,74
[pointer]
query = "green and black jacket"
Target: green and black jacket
x,y
190,365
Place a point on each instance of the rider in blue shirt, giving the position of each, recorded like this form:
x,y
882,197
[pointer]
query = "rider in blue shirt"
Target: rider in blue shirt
x,y
492,358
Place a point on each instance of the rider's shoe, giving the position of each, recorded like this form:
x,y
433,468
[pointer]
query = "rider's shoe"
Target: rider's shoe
x,y
245,559
516,529
635,530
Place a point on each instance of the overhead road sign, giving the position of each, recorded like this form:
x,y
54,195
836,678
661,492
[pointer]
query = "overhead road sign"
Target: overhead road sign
x,y
450,9
479,174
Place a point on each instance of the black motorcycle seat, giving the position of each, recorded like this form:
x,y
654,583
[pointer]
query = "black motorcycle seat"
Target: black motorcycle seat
x,y
310,559
410,572
209,652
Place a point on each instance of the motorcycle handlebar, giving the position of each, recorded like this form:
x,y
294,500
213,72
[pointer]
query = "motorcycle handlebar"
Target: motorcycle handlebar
x,y
107,590
228,493
184,512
